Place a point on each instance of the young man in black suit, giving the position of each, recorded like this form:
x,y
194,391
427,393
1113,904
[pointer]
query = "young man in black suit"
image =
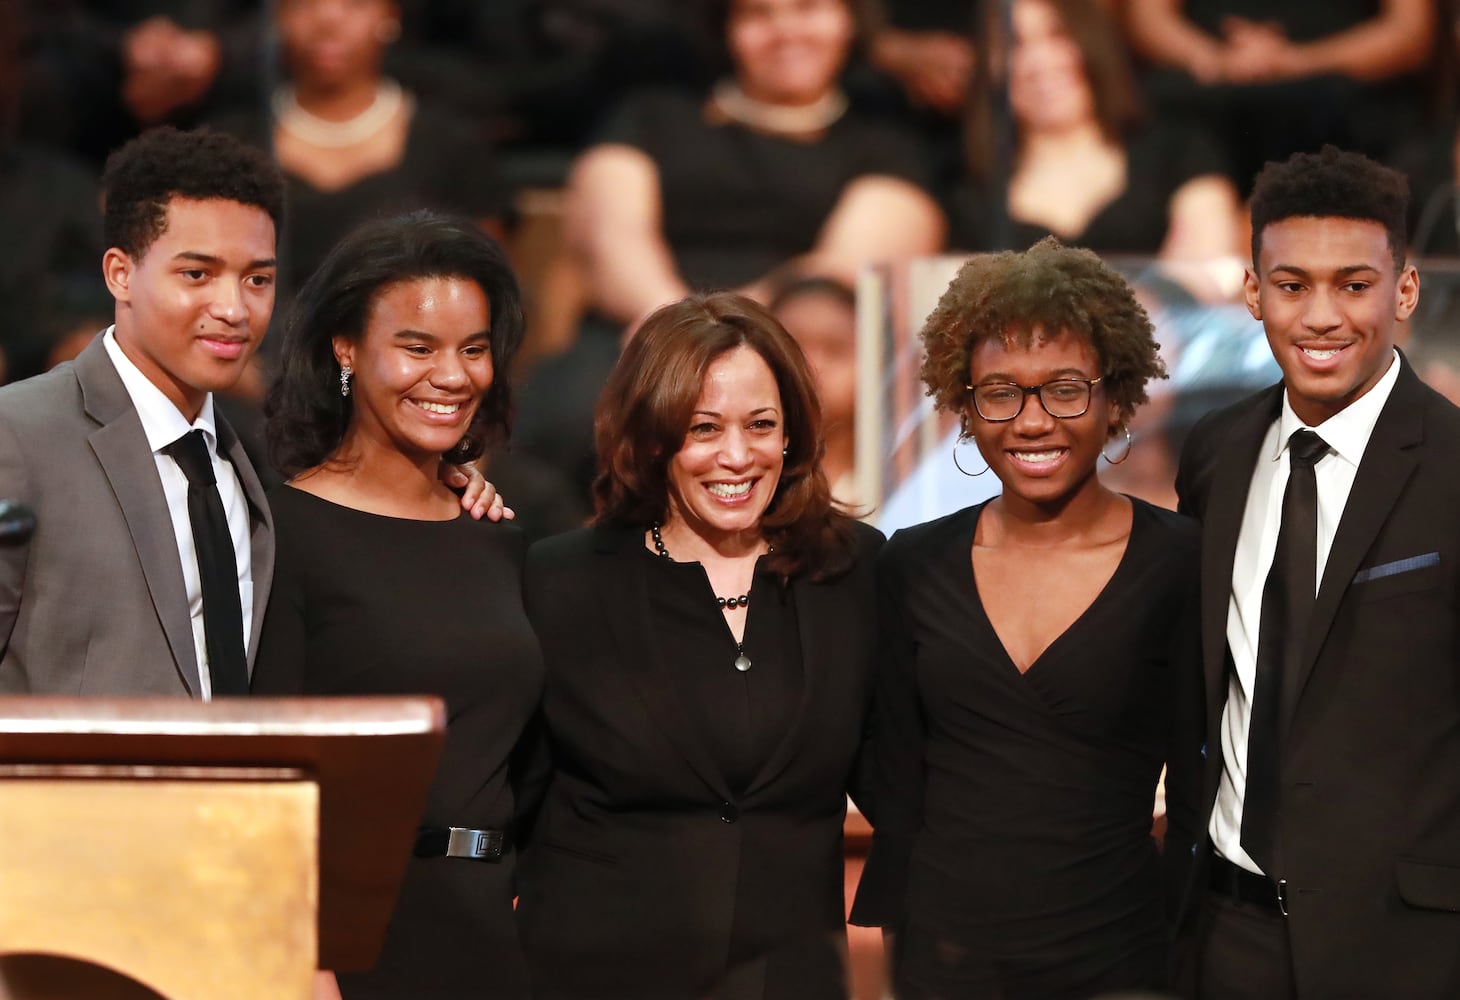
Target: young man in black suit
x,y
1329,758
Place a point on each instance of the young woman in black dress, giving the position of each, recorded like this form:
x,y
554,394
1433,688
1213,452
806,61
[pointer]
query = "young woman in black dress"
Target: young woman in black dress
x,y
708,648
396,357
1034,652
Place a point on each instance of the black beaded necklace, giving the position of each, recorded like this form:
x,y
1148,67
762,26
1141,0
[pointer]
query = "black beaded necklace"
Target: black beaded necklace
x,y
742,662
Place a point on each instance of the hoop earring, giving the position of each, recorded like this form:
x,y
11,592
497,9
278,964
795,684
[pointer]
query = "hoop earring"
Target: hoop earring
x,y
1123,455
959,465
345,372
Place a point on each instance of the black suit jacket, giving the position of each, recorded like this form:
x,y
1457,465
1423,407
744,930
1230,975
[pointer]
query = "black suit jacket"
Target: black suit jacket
x,y
641,860
1370,770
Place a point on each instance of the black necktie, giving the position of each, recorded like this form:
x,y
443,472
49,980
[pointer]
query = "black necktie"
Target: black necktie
x,y
1287,604
222,610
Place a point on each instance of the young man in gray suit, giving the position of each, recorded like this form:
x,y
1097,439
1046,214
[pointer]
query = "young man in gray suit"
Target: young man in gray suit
x,y
108,597
1328,758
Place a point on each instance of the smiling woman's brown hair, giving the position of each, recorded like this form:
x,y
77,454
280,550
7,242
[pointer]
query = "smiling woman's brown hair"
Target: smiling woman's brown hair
x,y
645,409
1042,291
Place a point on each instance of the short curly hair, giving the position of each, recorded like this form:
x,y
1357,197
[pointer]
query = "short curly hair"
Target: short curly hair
x,y
165,163
1333,184
1039,293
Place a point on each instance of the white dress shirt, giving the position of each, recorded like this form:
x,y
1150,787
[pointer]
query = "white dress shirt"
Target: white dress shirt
x,y
1347,435
163,423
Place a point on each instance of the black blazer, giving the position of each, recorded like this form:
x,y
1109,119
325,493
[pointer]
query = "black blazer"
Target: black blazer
x,y
1370,818
640,860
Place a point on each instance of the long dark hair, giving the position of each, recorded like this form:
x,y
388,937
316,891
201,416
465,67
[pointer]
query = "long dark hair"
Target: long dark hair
x,y
644,413
1107,66
307,415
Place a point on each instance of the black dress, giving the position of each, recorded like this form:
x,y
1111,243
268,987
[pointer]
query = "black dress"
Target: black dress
x,y
1159,160
1013,811
737,203
367,604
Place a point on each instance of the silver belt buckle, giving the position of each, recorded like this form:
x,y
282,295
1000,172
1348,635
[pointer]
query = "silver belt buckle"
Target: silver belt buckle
x,y
478,845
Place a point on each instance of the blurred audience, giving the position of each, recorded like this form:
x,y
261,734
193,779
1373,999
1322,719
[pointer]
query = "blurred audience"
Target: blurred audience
x,y
719,191
821,314
925,46
545,71
50,234
99,71
1278,76
1085,163
352,142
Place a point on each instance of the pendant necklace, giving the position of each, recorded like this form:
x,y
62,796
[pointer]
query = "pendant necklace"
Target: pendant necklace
x,y
742,662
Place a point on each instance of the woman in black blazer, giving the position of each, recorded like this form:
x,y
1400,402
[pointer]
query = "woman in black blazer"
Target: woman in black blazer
x,y
708,644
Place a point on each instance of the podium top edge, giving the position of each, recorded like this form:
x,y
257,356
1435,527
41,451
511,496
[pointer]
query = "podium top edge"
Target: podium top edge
x,y
308,717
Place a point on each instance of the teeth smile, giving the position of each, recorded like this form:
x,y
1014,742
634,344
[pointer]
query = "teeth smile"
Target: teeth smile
x,y
728,490
439,407
1039,457
1320,355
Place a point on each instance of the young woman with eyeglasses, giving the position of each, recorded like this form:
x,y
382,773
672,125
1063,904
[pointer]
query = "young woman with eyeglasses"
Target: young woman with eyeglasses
x,y
1034,656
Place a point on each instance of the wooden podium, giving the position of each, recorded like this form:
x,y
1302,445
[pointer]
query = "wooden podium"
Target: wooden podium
x,y
203,851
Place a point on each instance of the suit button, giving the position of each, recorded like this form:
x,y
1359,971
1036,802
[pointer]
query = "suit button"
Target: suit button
x,y
729,812
1203,751
1193,850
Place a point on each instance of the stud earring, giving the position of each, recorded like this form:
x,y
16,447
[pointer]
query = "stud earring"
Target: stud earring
x,y
345,372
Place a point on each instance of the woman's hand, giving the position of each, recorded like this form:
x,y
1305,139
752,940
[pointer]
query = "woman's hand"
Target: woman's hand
x,y
479,498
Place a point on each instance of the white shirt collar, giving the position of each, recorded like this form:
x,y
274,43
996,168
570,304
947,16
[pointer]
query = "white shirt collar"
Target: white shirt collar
x,y
162,421
1348,431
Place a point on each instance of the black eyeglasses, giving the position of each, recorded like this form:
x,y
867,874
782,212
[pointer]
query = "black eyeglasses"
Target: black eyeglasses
x,y
1065,398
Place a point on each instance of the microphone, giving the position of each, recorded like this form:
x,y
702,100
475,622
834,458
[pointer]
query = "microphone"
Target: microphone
x,y
17,522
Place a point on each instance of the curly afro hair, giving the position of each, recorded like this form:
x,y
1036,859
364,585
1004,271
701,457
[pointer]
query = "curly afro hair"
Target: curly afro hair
x,y
1333,184
165,163
1039,293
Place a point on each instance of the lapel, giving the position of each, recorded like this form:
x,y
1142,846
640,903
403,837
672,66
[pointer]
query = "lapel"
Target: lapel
x,y
261,529
619,570
1231,476
126,459
816,617
1389,461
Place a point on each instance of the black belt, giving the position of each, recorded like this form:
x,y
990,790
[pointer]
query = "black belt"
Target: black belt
x,y
459,842
1238,883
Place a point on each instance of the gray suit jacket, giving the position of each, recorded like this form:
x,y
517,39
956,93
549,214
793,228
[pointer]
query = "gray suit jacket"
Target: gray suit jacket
x,y
95,603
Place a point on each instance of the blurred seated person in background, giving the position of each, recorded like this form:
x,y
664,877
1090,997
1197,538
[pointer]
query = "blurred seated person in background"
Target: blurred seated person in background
x,y
397,358
1274,77
546,71
681,193
686,193
1431,161
709,654
926,48
352,143
98,71
50,235
1088,165
821,314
